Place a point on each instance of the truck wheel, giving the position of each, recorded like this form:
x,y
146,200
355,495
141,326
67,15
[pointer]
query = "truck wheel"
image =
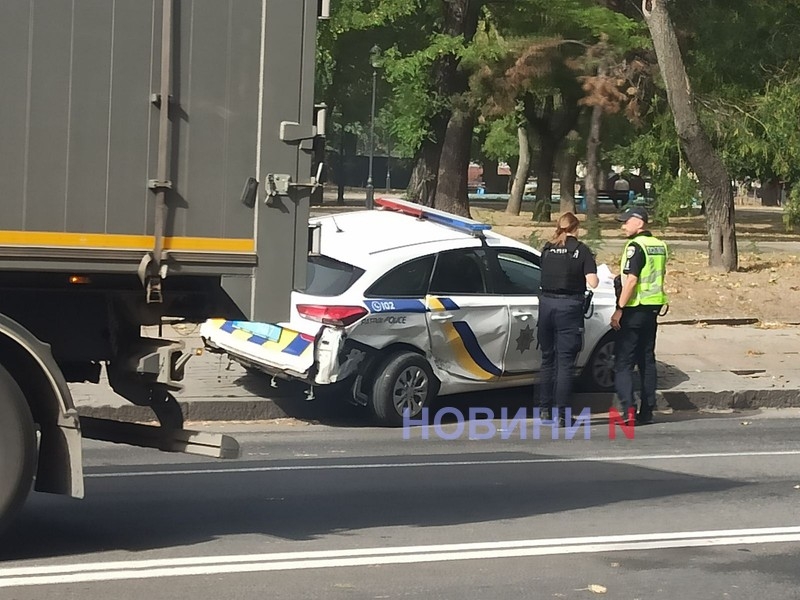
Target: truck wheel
x,y
598,374
404,381
17,448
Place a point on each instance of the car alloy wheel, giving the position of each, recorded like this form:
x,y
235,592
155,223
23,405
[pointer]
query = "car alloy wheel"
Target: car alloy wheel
x,y
402,381
598,375
410,391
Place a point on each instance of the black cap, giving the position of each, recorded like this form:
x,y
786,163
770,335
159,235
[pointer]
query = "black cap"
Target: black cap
x,y
634,211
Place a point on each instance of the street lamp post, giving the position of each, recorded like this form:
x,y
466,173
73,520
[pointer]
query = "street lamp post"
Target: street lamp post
x,y
388,164
374,54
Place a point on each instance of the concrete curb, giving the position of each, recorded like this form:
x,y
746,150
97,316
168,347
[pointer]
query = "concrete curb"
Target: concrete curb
x,y
264,409
741,400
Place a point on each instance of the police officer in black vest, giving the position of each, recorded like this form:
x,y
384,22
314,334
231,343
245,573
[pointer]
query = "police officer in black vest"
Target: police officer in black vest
x,y
568,266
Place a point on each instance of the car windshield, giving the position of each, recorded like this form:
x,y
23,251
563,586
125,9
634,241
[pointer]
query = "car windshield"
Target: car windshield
x,y
326,276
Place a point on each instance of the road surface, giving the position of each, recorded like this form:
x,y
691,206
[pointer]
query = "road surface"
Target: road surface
x,y
697,507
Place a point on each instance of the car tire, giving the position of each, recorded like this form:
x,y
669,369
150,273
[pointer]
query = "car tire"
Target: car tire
x,y
17,448
598,374
403,380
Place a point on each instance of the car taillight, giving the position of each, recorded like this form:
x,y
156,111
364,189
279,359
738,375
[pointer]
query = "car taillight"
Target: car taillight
x,y
341,316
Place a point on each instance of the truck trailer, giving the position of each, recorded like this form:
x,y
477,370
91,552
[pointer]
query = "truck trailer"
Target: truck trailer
x,y
155,163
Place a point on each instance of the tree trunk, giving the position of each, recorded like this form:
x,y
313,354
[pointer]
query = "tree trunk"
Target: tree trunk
x,y
545,163
451,184
551,125
495,184
771,193
513,164
715,183
592,165
422,185
460,19
521,174
341,174
566,178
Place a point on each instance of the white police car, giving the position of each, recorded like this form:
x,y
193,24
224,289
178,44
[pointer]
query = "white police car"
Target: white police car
x,y
405,303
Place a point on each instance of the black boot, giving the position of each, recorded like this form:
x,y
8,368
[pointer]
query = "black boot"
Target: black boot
x,y
645,416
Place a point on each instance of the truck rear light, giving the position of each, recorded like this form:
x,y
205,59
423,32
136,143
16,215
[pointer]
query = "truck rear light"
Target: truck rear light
x,y
341,316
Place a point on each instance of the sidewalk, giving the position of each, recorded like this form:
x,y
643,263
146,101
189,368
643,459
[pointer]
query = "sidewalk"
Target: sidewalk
x,y
701,367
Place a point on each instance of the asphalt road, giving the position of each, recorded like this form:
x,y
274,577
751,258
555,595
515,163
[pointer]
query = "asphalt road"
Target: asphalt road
x,y
693,508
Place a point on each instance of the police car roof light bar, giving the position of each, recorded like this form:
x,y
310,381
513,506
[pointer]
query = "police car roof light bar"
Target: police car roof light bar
x,y
436,216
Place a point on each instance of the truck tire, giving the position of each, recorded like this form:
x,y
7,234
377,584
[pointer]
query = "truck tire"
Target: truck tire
x,y
17,448
403,381
598,374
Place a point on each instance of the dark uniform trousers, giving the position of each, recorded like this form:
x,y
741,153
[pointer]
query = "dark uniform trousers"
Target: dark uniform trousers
x,y
636,346
560,332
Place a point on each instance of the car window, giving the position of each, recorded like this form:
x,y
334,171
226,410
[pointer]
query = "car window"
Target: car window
x,y
519,273
408,280
328,277
460,272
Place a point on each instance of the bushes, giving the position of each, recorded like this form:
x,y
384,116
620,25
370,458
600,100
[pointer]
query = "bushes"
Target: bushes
x,y
791,210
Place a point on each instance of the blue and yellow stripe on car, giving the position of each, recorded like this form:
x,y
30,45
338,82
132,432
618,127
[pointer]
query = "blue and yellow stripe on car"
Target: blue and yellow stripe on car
x,y
393,305
270,337
462,341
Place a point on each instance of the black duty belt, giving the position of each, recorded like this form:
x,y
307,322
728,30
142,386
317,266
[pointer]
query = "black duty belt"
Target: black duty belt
x,y
565,295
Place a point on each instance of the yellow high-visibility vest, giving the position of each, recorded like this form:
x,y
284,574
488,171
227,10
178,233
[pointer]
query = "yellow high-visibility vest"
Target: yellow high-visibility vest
x,y
649,289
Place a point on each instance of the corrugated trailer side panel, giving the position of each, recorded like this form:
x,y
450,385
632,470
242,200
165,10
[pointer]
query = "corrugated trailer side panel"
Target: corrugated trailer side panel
x,y
87,125
131,140
79,137
288,67
14,95
216,82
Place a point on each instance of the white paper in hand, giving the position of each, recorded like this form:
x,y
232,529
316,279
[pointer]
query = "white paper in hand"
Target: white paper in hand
x,y
605,275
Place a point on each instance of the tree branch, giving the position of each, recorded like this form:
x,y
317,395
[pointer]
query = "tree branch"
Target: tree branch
x,y
739,109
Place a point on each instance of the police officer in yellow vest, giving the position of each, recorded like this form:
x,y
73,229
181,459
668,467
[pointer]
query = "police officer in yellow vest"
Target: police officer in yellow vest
x,y
640,300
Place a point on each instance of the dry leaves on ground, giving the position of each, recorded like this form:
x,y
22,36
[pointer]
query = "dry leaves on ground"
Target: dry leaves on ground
x,y
764,287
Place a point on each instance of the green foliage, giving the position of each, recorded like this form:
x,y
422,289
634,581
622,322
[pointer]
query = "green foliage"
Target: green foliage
x,y
413,101
580,20
731,47
761,137
344,44
359,15
791,210
674,196
741,57
655,148
409,33
501,141
746,76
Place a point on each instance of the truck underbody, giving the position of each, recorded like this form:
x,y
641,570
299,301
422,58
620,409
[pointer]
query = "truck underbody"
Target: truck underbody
x,y
156,161
57,329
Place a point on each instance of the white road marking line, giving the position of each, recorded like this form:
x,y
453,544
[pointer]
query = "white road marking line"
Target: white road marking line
x,y
460,463
289,561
